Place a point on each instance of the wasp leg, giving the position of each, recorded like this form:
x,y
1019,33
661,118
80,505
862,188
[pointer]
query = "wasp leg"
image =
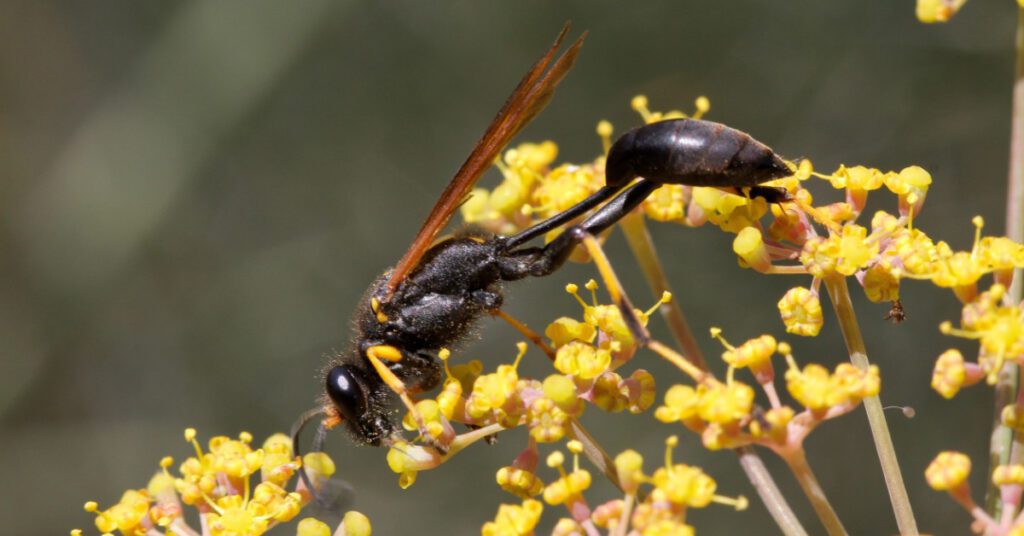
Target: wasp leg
x,y
562,218
539,262
525,331
378,355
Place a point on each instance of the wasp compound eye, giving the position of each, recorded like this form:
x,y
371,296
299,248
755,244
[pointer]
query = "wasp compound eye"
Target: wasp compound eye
x,y
345,386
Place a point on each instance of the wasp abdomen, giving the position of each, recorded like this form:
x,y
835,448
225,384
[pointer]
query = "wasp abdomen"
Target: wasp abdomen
x,y
692,152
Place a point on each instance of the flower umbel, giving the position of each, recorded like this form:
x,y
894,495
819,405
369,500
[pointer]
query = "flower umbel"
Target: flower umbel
x,y
218,483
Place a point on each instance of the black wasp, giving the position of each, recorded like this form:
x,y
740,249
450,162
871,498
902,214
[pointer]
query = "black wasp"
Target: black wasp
x,y
435,293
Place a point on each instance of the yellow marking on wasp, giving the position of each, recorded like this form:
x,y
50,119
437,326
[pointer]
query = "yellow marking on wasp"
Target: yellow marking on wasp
x,y
377,355
375,306
386,352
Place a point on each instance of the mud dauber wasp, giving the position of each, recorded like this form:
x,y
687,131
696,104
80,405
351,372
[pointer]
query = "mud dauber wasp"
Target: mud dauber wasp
x,y
432,297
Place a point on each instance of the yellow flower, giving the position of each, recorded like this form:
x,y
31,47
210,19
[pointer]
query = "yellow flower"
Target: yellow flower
x,y
609,393
949,374
810,387
567,527
126,516
565,330
563,188
667,203
519,482
777,421
220,483
882,282
514,520
750,248
754,353
1004,475
931,11
668,527
547,422
855,249
681,403
629,466
801,312
570,487
312,527
491,391
434,422
607,515
407,460
949,470
582,360
355,524
910,185
732,213
562,391
1000,329
1012,416
724,403
686,485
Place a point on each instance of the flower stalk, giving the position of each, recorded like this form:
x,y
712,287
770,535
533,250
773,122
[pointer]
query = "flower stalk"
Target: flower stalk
x,y
642,246
1005,446
796,459
839,293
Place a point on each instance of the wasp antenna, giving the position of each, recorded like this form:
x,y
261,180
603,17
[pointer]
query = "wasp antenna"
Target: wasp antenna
x,y
318,442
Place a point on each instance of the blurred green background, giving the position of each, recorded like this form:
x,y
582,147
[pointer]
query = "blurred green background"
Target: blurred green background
x,y
195,194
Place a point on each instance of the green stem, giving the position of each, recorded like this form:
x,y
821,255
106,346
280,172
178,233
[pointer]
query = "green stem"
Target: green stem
x,y
635,229
797,461
595,453
840,295
1005,446
642,245
772,498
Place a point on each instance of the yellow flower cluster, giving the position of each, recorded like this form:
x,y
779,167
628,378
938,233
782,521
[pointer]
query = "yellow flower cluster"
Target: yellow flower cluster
x,y
585,354
218,483
533,188
999,328
724,415
949,471
674,488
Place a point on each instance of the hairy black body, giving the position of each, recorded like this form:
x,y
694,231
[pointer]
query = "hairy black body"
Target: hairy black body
x,y
458,280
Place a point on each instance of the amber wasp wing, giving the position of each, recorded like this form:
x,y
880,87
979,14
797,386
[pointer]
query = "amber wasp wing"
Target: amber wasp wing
x,y
527,100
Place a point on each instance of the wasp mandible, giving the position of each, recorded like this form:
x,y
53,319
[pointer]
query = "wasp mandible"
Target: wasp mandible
x,y
437,291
